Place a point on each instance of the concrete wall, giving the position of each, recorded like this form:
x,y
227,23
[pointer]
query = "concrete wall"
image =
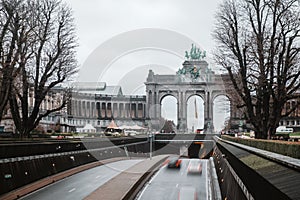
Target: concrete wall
x,y
241,181
21,171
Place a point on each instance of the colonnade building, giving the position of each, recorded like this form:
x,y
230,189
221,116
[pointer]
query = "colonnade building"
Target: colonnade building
x,y
98,104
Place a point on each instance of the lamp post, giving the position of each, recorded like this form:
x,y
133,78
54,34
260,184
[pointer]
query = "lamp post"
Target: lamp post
x,y
151,141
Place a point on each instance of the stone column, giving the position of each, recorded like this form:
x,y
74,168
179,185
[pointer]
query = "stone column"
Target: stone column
x,y
155,104
184,113
180,111
148,104
88,109
135,110
208,117
79,108
158,106
73,108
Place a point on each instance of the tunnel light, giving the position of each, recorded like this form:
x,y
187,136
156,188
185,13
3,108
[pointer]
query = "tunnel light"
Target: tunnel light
x,y
7,176
53,164
26,173
222,180
72,158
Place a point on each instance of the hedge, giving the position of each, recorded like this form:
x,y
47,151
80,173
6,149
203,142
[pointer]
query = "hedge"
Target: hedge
x,y
286,148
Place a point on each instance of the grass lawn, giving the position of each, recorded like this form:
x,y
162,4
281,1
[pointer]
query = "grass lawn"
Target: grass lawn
x,y
295,134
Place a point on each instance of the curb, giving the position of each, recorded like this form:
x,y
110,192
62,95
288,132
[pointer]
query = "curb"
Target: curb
x,y
134,190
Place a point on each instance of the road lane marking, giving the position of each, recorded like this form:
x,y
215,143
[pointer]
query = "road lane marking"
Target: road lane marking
x,y
140,195
72,190
98,177
177,185
206,169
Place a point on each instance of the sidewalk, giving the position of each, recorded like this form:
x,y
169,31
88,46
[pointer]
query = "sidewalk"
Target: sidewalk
x,y
286,160
123,185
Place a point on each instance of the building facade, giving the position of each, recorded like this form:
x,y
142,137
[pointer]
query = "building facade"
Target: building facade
x,y
97,104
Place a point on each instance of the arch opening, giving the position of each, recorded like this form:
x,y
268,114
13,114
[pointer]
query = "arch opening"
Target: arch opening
x,y
169,114
195,114
221,112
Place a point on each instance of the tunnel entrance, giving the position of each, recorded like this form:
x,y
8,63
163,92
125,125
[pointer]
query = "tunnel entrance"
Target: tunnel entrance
x,y
201,150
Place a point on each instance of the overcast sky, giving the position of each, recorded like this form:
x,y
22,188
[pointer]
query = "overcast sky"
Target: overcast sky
x,y
99,20
120,40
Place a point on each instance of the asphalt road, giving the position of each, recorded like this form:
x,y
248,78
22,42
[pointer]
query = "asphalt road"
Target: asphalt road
x,y
167,183
82,184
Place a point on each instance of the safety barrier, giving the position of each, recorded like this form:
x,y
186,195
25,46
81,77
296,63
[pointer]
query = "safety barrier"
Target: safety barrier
x,y
20,171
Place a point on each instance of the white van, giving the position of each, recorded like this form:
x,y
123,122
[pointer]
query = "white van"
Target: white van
x,y
130,133
284,129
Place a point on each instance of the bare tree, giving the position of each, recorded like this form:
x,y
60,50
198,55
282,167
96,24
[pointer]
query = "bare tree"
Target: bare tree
x,y
46,59
8,54
258,44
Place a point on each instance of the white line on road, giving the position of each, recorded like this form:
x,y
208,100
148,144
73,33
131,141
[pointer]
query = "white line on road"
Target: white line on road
x,y
98,177
177,185
72,190
149,183
206,168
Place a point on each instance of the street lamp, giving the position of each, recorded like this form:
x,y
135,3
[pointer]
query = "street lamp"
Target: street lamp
x,y
151,141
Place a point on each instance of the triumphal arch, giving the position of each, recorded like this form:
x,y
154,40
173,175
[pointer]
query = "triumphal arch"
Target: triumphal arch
x,y
194,78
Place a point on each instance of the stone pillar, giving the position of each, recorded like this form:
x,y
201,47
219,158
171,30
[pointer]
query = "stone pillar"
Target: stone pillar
x,y
94,109
208,105
79,108
136,110
98,110
156,114
148,104
72,108
181,110
158,106
119,112
184,117
88,109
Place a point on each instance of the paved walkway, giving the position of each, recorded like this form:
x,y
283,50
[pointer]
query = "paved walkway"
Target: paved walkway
x,y
123,184
286,160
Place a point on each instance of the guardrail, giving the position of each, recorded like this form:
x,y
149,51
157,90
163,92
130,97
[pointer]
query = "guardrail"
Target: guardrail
x,y
20,171
19,149
252,184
